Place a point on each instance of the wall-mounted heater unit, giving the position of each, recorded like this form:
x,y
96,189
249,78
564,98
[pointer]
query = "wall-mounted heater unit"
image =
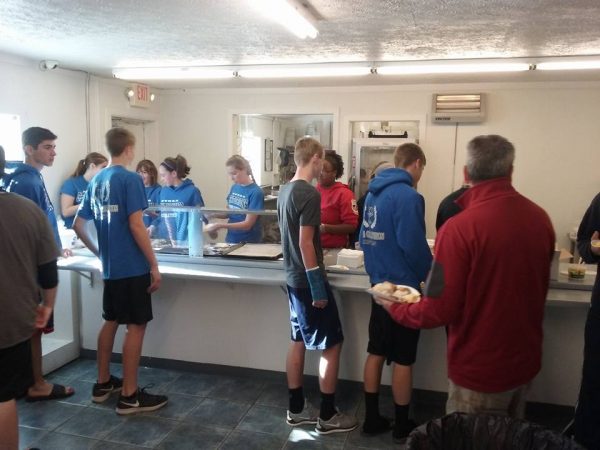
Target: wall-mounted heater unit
x,y
458,108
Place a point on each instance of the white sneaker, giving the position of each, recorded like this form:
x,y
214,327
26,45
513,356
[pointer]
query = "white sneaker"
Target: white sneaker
x,y
339,423
308,415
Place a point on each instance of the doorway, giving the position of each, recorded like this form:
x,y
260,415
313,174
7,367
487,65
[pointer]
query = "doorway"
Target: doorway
x,y
140,129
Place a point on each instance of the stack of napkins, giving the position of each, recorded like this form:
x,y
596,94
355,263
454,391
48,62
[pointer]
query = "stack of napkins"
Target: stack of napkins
x,y
351,258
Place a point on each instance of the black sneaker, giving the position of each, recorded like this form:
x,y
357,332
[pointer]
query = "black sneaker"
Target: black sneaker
x,y
139,402
400,433
376,426
101,391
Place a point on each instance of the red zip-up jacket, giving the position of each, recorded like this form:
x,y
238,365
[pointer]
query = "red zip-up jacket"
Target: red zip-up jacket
x,y
338,206
488,283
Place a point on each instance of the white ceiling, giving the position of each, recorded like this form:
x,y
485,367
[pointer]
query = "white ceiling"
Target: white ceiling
x,y
98,35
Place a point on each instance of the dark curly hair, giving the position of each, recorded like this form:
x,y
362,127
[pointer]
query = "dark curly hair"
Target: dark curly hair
x,y
336,162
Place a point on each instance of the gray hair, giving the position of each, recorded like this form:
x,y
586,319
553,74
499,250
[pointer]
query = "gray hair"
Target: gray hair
x,y
488,157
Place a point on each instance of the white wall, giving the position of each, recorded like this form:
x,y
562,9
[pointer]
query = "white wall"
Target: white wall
x,y
53,100
553,126
57,100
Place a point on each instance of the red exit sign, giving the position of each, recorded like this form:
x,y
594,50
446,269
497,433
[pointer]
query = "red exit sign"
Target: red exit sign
x,y
141,96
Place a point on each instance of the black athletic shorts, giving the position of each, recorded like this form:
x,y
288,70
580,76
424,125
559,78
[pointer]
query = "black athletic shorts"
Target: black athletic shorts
x,y
127,300
390,339
16,373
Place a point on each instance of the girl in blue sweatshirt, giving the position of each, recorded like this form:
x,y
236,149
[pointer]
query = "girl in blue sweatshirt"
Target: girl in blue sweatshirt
x,y
177,190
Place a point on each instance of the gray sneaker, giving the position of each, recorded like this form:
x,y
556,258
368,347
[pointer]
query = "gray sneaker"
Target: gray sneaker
x,y
339,423
308,415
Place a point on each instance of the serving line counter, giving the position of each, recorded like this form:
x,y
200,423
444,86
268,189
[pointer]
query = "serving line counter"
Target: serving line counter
x,y
234,312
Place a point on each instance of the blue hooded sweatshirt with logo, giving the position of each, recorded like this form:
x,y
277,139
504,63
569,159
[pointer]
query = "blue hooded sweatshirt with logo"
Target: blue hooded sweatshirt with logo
x,y
27,181
392,233
174,225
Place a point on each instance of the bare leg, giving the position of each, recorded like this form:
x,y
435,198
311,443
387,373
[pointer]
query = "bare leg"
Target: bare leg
x,y
40,386
132,350
402,384
372,372
294,364
9,425
106,340
328,369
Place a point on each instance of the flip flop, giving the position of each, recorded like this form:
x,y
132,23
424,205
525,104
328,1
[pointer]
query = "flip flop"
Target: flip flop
x,y
58,391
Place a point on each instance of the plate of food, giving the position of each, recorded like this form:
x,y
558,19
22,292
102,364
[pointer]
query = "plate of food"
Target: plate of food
x,y
397,293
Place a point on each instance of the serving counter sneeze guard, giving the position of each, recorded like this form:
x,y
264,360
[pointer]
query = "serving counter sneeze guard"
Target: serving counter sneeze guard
x,y
197,232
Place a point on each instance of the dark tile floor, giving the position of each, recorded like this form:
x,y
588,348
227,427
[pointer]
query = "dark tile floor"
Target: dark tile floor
x,y
209,411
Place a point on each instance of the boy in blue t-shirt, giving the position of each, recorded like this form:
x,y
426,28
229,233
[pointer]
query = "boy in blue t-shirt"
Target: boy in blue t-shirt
x,y
115,200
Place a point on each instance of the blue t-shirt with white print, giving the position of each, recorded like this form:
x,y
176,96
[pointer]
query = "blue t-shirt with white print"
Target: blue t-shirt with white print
x,y
111,197
245,197
75,187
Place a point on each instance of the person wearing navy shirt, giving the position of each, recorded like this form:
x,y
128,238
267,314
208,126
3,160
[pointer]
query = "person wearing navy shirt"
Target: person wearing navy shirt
x,y
39,146
147,170
177,190
72,190
244,194
115,200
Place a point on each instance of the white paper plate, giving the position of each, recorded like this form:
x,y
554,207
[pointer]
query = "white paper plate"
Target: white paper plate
x,y
391,298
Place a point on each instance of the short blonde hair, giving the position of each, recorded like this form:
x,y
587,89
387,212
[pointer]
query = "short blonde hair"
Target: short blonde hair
x,y
305,149
408,153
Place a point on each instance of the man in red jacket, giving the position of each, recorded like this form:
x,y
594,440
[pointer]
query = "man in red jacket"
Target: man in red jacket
x,y
488,283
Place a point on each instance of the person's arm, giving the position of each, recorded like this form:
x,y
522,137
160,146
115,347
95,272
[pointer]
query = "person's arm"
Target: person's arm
x,y
410,235
80,228
316,279
342,228
48,281
138,230
68,208
244,225
589,230
445,290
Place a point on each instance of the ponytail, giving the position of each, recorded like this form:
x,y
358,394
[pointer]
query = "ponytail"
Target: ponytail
x,y
83,164
177,164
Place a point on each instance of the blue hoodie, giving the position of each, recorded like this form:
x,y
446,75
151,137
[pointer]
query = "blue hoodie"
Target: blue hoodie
x,y
186,194
392,233
27,181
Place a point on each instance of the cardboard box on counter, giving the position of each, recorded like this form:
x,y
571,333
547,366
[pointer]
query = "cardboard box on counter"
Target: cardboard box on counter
x,y
559,255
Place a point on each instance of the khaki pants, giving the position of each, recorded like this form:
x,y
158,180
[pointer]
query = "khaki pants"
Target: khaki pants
x,y
509,403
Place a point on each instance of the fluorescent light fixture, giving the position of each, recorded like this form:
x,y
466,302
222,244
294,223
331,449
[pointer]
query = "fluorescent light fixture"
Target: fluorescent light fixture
x,y
172,73
304,72
451,67
289,13
568,65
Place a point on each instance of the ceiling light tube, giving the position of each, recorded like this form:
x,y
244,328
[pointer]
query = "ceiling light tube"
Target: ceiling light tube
x,y
172,73
568,65
298,71
451,67
289,13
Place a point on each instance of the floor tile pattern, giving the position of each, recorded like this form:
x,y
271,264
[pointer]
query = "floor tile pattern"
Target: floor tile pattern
x,y
210,411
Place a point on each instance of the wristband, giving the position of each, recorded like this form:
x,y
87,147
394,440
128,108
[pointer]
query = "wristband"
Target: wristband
x,y
316,281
